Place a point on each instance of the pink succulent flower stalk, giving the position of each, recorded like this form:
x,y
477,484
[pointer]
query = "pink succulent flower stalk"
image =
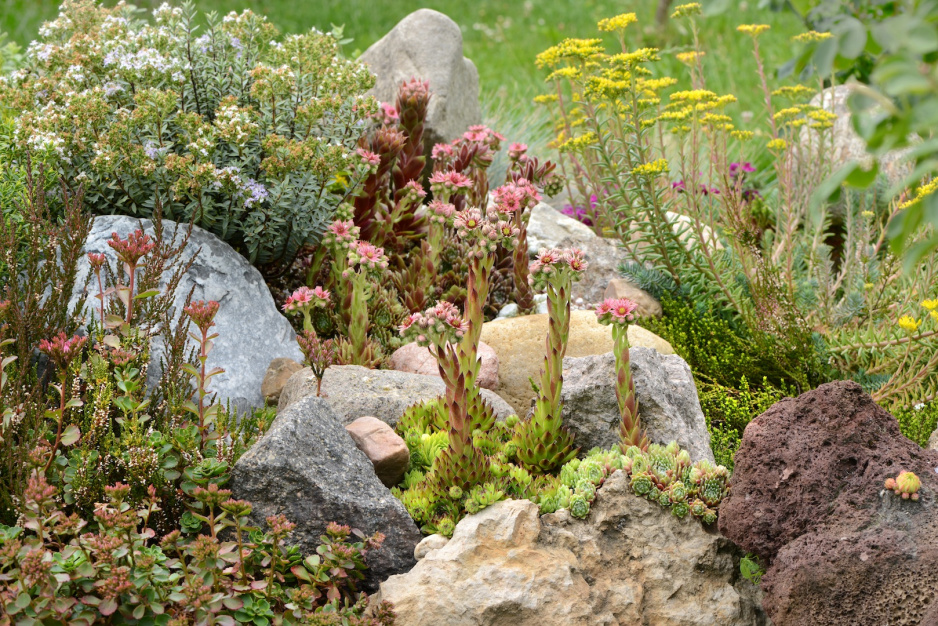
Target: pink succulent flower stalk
x,y
440,328
130,251
440,216
516,199
97,261
202,315
62,351
618,313
544,443
365,265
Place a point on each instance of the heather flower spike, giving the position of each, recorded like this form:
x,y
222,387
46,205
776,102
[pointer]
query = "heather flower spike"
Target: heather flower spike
x,y
618,313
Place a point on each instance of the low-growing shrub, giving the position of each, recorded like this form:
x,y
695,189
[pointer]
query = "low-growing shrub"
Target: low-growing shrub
x,y
250,136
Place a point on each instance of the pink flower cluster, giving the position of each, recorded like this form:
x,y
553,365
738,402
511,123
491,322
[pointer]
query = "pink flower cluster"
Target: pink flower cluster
x,y
306,298
369,158
437,326
616,311
516,196
388,114
483,135
341,234
414,191
440,212
449,181
131,249
202,313
61,349
367,256
554,262
487,230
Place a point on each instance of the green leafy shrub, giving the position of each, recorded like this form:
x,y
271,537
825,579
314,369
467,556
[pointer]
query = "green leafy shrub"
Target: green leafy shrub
x,y
112,566
918,422
728,410
252,138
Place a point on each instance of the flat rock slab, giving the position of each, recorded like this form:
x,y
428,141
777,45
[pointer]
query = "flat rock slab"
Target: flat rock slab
x,y
353,391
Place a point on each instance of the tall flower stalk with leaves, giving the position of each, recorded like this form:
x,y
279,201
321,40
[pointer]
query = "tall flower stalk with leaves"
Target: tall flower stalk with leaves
x,y
543,442
62,351
618,313
365,265
206,412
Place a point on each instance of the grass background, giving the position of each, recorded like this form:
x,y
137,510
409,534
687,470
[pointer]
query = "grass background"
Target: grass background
x,y
502,37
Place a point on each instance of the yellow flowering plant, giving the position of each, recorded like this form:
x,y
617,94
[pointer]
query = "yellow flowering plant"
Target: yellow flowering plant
x,y
671,176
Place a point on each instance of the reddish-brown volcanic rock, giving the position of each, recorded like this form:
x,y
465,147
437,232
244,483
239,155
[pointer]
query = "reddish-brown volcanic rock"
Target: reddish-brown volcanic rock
x,y
807,495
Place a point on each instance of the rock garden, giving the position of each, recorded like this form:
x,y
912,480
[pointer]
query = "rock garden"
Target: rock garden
x,y
295,333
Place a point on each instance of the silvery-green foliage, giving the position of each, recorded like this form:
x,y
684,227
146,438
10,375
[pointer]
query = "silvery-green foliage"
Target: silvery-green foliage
x,y
251,136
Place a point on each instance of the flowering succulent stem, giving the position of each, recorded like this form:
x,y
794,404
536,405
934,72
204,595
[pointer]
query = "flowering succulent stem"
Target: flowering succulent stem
x,y
524,295
358,323
630,429
477,291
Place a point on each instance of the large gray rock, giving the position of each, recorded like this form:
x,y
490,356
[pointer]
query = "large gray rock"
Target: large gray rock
x,y
667,401
549,228
251,330
308,468
428,45
628,562
354,391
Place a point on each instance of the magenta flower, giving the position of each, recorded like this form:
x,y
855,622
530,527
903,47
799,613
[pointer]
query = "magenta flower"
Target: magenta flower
x,y
341,234
738,169
389,114
367,256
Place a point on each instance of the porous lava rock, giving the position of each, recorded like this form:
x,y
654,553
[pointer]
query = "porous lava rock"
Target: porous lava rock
x,y
807,496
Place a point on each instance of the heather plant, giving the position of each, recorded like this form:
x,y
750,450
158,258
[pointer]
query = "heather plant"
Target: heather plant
x,y
733,217
617,313
250,137
543,443
918,422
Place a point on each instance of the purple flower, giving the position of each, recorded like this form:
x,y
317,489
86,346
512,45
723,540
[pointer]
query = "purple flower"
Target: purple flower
x,y
738,169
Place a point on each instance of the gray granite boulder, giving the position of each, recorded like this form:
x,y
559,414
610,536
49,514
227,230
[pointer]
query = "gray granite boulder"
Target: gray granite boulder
x,y
251,331
667,401
428,45
354,391
308,468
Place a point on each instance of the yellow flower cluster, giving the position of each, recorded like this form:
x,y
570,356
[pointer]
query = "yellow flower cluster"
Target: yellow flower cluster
x,y
753,30
742,135
654,85
575,144
582,49
629,59
930,305
811,36
696,95
715,118
821,118
908,323
570,73
619,22
793,91
687,10
924,190
675,115
659,166
546,98
777,144
599,87
689,58
787,114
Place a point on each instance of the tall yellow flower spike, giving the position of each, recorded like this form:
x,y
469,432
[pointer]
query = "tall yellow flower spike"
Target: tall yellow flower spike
x,y
619,22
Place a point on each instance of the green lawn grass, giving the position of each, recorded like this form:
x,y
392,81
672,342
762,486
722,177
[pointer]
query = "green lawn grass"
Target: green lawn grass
x,y
502,36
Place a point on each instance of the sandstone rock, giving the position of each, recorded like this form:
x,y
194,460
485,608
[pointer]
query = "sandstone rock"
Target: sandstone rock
x,y
549,228
519,343
353,391
807,495
848,145
430,543
383,447
307,468
416,360
251,330
647,305
278,373
428,45
933,440
667,401
629,562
